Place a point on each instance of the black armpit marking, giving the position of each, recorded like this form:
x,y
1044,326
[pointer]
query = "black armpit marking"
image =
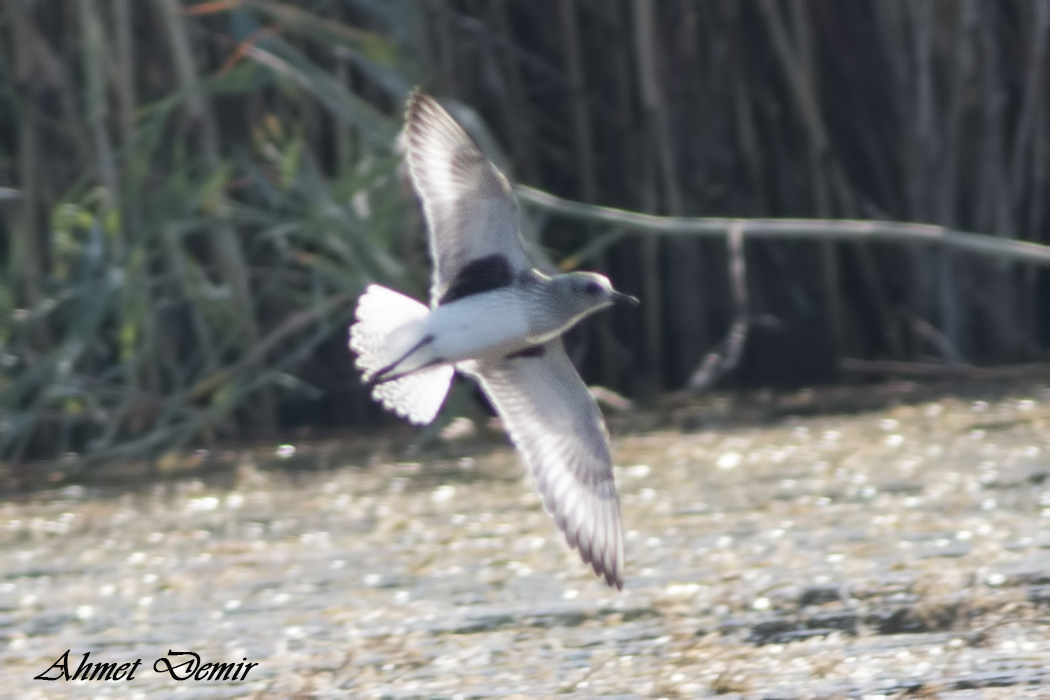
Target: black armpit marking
x,y
531,351
481,275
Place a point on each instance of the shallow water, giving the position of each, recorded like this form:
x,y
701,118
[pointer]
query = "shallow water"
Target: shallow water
x,y
898,551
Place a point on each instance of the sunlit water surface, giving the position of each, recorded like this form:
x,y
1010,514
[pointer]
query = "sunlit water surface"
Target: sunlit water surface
x,y
867,555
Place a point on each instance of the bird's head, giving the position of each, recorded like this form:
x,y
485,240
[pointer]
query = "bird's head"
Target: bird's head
x,y
586,292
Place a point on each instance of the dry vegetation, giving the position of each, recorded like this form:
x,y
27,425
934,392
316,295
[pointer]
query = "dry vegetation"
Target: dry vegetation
x,y
192,194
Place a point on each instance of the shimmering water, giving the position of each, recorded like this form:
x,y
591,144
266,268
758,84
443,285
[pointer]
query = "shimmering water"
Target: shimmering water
x,y
901,551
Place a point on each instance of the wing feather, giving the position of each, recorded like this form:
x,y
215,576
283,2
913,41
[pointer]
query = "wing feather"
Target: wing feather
x,y
469,207
556,425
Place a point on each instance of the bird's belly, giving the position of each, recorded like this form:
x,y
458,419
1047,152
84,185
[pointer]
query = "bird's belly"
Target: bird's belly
x,y
479,326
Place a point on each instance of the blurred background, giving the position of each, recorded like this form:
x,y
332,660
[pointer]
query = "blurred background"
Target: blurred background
x,y
192,194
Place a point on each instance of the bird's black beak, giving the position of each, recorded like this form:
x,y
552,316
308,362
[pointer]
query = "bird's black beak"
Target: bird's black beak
x,y
621,298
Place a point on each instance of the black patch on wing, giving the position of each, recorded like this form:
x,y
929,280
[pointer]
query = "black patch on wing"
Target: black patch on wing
x,y
481,275
531,351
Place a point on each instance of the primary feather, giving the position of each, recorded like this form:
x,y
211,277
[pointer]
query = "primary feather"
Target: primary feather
x,y
554,422
470,209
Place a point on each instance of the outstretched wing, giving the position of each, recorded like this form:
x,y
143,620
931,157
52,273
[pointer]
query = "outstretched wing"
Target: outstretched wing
x,y
555,423
470,209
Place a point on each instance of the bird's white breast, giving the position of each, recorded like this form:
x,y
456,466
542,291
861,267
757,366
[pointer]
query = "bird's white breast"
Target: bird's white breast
x,y
478,326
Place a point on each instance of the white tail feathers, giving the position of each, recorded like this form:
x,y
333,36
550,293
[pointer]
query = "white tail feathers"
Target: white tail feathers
x,y
417,396
385,331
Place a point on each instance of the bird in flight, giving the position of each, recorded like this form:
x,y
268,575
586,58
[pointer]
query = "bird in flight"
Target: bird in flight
x,y
493,317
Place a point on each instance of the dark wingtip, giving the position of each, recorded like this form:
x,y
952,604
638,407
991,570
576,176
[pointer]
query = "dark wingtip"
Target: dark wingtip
x,y
414,97
414,106
612,577
417,102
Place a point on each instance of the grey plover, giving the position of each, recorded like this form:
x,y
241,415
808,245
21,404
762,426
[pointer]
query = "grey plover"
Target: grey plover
x,y
494,317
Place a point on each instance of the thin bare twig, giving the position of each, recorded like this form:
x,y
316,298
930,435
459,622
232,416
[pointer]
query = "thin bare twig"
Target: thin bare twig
x,y
719,362
935,369
944,344
834,229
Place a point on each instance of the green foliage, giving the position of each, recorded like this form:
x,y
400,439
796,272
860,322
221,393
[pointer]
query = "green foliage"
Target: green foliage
x,y
138,319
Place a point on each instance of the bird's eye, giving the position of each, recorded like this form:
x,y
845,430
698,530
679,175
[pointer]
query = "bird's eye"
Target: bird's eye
x,y
593,288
